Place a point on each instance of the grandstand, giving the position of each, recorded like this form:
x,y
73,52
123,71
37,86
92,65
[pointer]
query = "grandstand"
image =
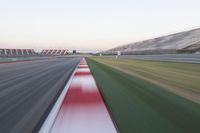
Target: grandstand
x,y
183,42
17,52
55,52
31,52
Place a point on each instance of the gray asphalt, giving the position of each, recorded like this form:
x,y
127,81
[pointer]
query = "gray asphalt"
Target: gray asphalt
x,y
28,91
188,58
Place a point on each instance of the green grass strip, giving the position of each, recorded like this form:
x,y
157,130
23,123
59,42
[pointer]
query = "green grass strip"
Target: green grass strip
x,y
177,75
138,106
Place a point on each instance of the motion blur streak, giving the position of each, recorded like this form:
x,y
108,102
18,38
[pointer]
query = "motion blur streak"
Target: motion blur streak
x,y
28,91
83,109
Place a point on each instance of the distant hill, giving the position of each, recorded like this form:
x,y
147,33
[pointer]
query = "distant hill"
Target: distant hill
x,y
183,42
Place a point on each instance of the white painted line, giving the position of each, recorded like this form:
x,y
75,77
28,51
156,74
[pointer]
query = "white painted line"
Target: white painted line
x,y
83,65
47,125
83,70
87,82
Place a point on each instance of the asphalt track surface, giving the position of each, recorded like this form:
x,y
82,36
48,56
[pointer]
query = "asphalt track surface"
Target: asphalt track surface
x,y
188,58
28,90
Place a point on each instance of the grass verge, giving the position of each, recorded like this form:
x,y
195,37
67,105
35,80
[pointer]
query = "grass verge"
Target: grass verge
x,y
140,106
180,78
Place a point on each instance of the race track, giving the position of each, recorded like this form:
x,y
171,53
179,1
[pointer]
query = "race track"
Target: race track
x,y
28,90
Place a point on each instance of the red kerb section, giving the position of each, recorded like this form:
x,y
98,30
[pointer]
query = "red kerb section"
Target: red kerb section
x,y
82,73
76,97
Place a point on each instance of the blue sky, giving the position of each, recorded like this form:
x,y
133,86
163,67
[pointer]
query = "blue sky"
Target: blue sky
x,y
91,24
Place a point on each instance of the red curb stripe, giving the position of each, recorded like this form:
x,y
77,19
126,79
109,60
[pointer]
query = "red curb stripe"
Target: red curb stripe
x,y
76,97
82,73
15,61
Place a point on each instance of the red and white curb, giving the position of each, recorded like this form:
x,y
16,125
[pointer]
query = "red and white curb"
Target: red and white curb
x,y
83,109
48,123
